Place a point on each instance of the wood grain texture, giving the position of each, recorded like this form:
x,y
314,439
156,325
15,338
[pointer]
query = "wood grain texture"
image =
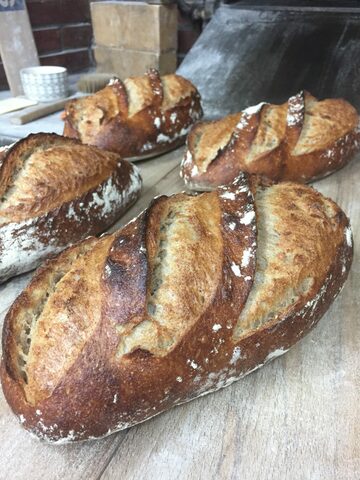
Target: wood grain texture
x,y
296,418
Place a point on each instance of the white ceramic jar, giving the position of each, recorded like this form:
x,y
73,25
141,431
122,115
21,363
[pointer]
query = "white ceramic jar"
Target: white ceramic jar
x,y
44,84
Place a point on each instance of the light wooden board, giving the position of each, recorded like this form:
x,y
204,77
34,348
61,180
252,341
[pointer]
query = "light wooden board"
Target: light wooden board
x,y
297,418
17,44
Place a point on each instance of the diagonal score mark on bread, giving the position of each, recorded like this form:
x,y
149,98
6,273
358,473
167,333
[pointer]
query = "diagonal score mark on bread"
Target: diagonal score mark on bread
x,y
206,143
270,132
185,260
285,277
136,325
44,336
323,121
29,320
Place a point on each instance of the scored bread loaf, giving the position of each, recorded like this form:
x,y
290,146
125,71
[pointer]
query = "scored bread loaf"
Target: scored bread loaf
x,y
137,118
195,293
54,191
301,140
3,151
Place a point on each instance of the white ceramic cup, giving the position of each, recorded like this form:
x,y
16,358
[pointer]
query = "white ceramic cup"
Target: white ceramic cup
x,y
44,84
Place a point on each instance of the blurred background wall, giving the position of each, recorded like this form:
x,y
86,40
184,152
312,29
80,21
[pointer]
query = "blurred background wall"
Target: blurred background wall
x,y
63,34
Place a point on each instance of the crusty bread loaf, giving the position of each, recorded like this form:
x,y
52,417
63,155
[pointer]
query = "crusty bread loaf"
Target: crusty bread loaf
x,y
301,140
3,151
195,293
137,118
54,191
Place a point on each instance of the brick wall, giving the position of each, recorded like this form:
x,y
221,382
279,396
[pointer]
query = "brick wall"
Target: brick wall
x,y
188,32
63,34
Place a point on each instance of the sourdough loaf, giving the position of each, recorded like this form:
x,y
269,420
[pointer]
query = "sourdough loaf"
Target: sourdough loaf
x,y
54,191
137,118
195,293
3,151
301,140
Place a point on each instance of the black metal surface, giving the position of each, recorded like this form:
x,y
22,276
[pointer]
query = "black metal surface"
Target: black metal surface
x,y
323,4
245,56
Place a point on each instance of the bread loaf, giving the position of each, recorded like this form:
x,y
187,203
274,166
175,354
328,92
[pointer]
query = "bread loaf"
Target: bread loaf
x,y
195,293
137,118
54,191
301,140
3,151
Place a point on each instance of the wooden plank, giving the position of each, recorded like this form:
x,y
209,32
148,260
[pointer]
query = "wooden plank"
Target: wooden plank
x,y
39,111
296,418
17,44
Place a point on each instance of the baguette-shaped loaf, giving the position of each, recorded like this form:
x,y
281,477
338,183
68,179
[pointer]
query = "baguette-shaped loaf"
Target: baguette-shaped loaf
x,y
140,117
300,140
54,191
195,293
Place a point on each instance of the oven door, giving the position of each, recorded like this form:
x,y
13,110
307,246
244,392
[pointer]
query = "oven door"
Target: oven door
x,y
254,52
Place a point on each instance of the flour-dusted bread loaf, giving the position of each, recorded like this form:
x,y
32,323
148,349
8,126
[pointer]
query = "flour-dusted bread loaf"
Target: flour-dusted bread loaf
x,y
300,140
137,118
54,191
3,152
195,293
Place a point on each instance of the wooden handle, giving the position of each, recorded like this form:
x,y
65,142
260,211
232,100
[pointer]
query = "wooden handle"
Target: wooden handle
x,y
38,111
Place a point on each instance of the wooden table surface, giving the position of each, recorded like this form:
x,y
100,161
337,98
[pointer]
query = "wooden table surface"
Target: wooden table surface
x,y
296,418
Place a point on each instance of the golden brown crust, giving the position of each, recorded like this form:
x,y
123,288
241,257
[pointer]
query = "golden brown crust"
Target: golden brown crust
x,y
160,331
140,116
56,191
43,171
301,140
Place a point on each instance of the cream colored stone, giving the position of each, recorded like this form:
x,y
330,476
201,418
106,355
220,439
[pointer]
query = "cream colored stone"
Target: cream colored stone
x,y
135,25
126,63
